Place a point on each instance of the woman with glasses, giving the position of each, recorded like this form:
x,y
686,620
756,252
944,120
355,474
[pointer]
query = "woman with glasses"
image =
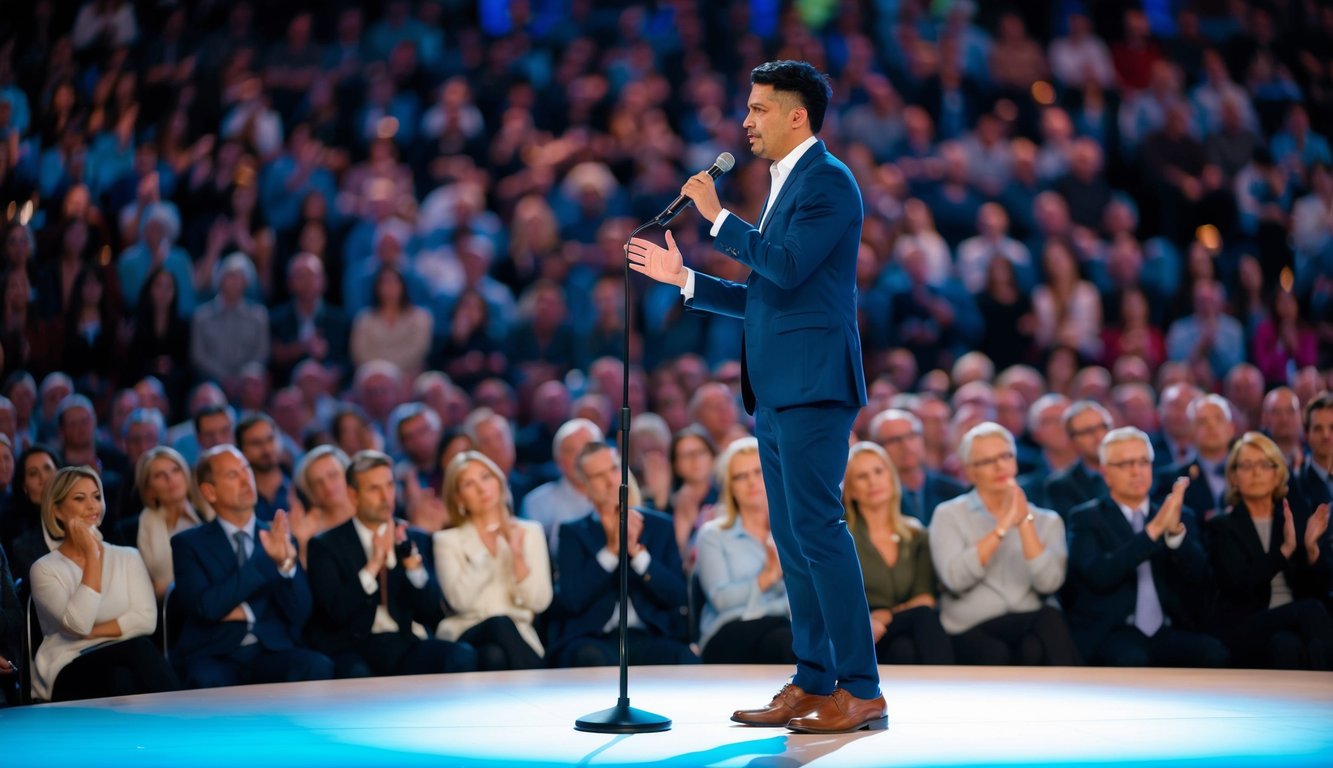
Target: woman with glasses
x,y
894,551
999,558
746,618
1271,571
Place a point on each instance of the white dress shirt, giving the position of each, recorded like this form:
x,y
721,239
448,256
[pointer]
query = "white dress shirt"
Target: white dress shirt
x,y
371,583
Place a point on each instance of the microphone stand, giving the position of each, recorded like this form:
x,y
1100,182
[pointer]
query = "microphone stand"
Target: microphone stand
x,y
622,718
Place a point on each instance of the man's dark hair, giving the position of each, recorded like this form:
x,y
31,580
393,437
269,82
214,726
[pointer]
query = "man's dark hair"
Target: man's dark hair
x,y
802,79
211,410
250,421
363,462
1317,403
589,449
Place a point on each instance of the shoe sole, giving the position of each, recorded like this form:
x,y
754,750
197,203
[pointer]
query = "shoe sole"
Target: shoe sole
x,y
757,725
877,724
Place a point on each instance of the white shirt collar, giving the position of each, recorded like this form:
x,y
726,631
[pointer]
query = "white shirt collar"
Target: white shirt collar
x,y
231,530
367,541
783,168
1129,511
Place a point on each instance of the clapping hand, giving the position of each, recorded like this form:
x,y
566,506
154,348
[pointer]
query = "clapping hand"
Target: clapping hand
x,y
277,541
1315,530
1168,517
1288,530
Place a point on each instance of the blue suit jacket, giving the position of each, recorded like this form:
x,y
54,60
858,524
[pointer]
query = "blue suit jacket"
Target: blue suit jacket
x,y
586,595
209,584
1104,556
801,344
1071,487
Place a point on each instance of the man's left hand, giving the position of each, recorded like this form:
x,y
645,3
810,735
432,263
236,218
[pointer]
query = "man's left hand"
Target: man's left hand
x,y
703,191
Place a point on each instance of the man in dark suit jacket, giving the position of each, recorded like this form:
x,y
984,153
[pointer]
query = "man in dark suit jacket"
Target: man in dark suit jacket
x,y
584,626
923,489
306,327
1314,480
1086,423
1140,571
370,584
1210,417
241,588
801,376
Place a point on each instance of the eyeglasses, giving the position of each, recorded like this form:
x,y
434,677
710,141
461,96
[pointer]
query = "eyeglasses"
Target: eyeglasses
x,y
1141,463
993,460
1255,466
896,439
1086,431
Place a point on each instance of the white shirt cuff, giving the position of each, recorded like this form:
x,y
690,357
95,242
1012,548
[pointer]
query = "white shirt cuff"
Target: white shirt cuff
x,y
717,223
687,290
418,577
1174,540
641,561
607,560
369,583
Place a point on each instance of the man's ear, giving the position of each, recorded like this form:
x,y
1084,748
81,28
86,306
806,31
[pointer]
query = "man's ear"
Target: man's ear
x,y
209,492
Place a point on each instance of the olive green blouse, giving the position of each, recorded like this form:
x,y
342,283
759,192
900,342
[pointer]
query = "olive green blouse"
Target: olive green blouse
x,y
912,575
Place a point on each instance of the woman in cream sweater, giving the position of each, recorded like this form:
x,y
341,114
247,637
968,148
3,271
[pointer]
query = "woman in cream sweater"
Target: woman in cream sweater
x,y
170,505
494,569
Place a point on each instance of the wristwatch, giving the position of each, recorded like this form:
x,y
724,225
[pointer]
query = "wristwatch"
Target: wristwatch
x,y
1001,531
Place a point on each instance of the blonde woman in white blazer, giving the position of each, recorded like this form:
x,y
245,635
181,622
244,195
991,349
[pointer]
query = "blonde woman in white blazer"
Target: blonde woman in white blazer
x,y
494,568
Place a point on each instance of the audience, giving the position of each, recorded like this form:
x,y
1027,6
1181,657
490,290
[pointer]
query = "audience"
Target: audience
x,y
745,618
171,505
94,603
494,568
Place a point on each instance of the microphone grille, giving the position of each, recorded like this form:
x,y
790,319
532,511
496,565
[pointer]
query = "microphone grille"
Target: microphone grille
x,y
725,162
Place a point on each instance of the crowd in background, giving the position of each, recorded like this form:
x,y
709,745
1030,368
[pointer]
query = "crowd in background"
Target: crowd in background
x,y
312,230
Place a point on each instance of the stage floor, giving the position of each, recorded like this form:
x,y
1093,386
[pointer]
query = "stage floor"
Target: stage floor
x,y
938,716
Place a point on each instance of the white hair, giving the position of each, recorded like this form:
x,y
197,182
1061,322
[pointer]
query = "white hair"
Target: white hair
x,y
1042,403
984,429
893,414
1124,435
571,427
1087,405
1199,402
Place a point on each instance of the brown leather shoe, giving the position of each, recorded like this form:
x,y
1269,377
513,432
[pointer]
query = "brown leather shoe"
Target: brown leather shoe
x,y
844,713
790,702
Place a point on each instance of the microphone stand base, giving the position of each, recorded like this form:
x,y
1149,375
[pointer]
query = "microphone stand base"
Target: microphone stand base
x,y
623,718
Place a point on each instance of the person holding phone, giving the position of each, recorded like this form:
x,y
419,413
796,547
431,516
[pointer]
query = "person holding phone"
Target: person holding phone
x,y
370,585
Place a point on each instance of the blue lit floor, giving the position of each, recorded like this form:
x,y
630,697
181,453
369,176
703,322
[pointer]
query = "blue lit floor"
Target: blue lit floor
x,y
942,717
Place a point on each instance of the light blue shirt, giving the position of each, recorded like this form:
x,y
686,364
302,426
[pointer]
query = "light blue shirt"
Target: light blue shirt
x,y
728,568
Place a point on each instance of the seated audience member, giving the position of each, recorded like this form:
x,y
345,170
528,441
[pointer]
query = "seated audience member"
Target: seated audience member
x,y
560,501
1139,570
694,492
494,568
257,437
584,629
923,489
1174,442
894,551
13,623
745,616
1210,419
370,585
27,540
321,477
1056,452
998,559
1280,419
1272,573
1086,423
94,603
1314,480
244,594
171,505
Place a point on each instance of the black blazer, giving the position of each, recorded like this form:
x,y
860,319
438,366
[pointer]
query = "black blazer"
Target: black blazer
x,y
1104,556
343,613
1245,571
1073,486
330,323
1310,486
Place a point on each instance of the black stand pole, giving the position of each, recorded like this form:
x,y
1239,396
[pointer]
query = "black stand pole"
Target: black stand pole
x,y
622,718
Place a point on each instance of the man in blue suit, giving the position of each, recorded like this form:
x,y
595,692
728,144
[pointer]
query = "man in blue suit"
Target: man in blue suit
x,y
801,377
241,588
584,626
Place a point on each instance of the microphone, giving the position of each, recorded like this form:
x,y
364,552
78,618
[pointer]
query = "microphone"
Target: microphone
x,y
721,165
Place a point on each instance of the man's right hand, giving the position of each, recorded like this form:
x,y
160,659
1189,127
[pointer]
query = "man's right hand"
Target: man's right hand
x,y
664,265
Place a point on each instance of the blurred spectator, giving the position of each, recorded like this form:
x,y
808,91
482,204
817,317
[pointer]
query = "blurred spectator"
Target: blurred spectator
x,y
229,331
1086,422
1208,337
923,489
393,328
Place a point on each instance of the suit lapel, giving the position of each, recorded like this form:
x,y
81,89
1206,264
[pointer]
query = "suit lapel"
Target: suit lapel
x,y
806,160
1115,519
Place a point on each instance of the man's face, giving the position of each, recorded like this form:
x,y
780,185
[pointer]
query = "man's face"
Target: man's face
x,y
214,430
1128,470
260,446
232,490
139,439
373,495
1050,433
418,438
569,450
77,426
902,442
1282,415
601,474
1212,429
1320,436
768,123
1086,431
493,440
